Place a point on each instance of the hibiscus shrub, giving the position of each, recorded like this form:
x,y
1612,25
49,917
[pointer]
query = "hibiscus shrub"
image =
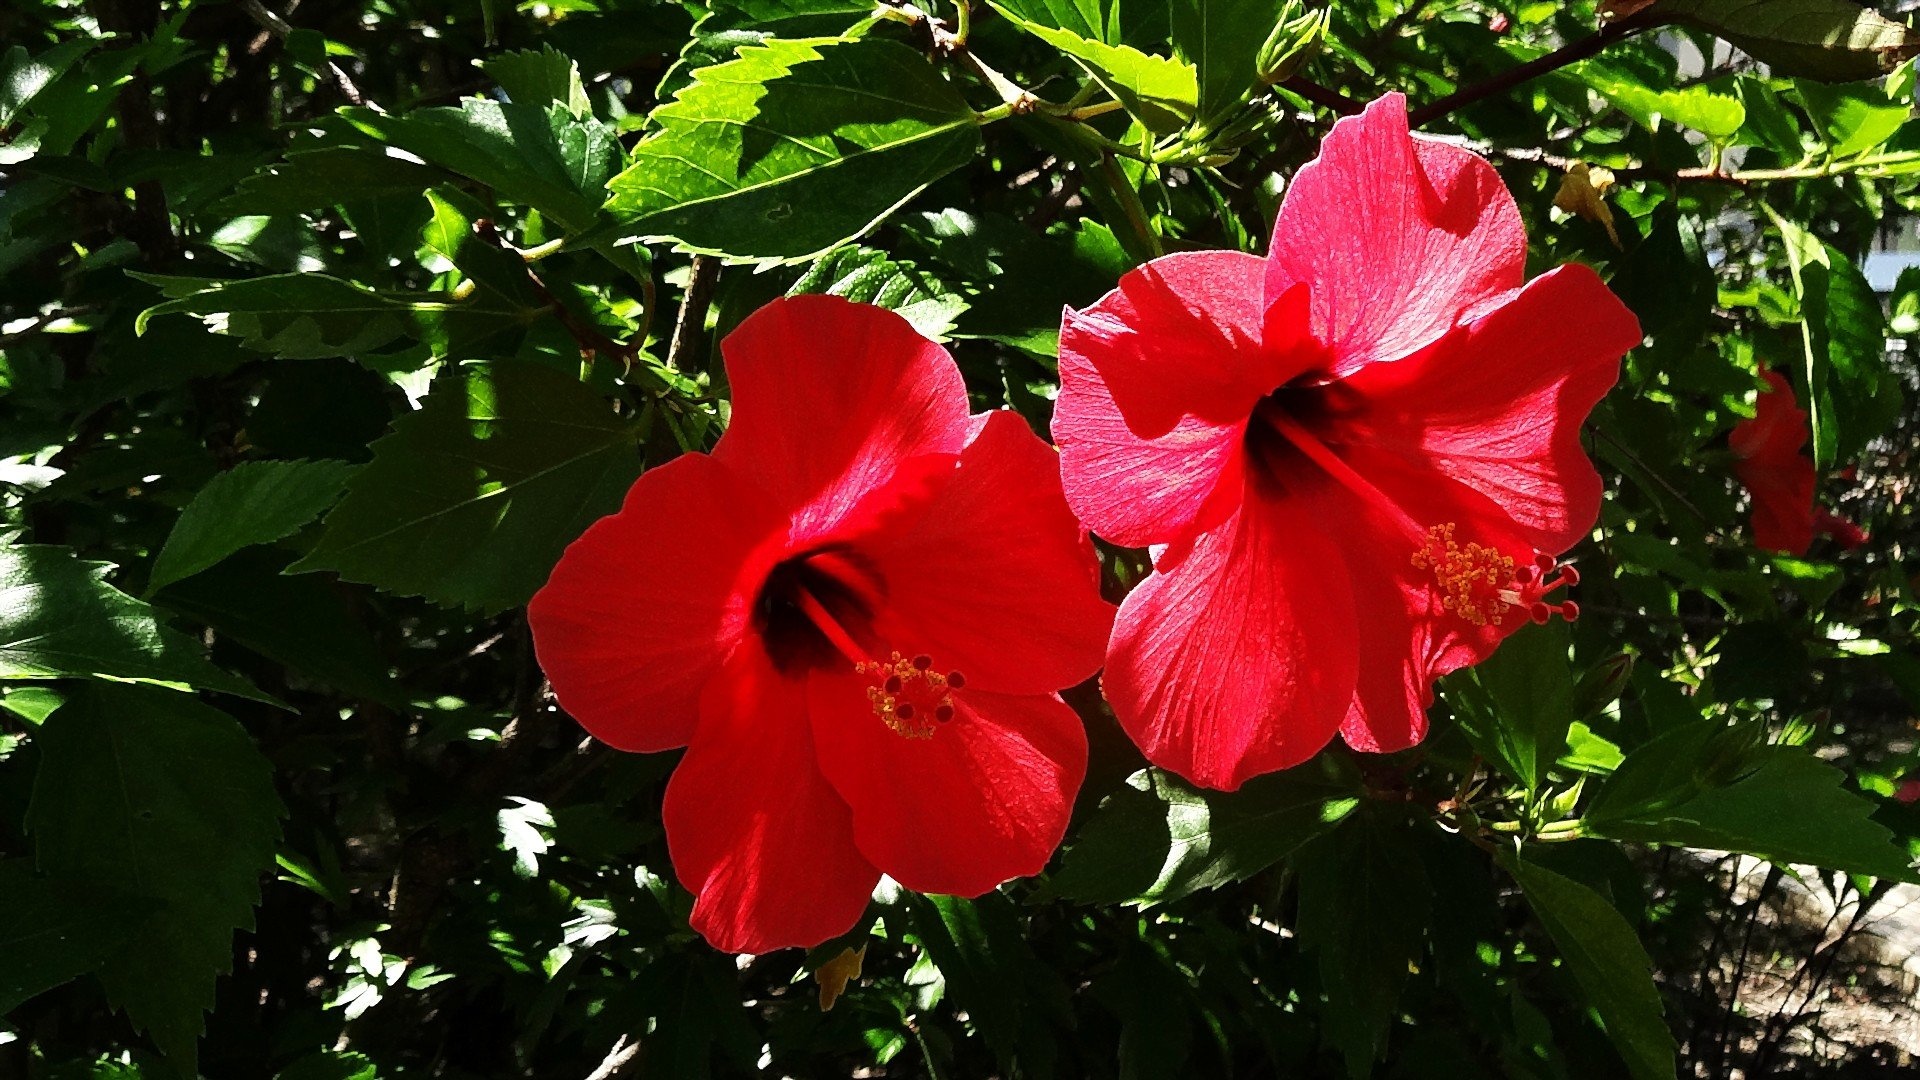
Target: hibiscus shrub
x,y
627,538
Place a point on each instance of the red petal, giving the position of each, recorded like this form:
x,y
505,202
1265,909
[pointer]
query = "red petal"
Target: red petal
x,y
1498,403
1240,659
830,397
1844,532
1782,501
754,829
995,577
627,646
982,800
1182,336
1779,426
1398,237
1136,491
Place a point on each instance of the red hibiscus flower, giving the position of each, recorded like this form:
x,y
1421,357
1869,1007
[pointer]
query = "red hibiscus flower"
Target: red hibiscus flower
x,y
1356,459
1769,462
854,614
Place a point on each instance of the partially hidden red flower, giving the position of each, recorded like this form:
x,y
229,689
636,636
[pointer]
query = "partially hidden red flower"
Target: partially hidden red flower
x,y
1355,459
1770,463
854,614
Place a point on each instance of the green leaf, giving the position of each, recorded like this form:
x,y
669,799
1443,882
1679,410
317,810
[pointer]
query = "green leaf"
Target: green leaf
x,y
327,176
1606,958
58,929
1829,40
471,500
794,148
543,77
1365,906
1525,704
255,502
1708,786
1853,396
541,155
1162,93
1158,839
1222,40
190,821
1852,119
870,277
60,619
331,1065
299,621
1717,116
293,316
1014,1000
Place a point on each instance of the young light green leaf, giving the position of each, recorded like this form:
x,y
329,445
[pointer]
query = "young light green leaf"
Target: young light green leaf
x,y
1829,40
58,929
544,77
59,619
1158,839
1717,116
255,502
1160,92
1607,959
1852,119
870,277
794,148
191,826
471,500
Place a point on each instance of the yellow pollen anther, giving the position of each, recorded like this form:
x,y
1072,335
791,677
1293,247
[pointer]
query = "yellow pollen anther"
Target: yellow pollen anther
x,y
1481,584
1476,582
908,695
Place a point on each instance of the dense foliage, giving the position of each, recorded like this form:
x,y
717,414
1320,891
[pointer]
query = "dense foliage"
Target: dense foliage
x,y
326,327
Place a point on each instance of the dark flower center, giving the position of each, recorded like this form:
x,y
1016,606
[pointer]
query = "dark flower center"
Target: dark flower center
x,y
788,612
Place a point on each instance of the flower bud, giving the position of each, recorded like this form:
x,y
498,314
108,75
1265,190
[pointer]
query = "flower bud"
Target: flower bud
x,y
1295,39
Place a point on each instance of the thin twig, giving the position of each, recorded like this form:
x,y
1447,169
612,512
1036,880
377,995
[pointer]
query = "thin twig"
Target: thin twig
x,y
683,352
617,1061
273,24
1573,52
591,340
1324,96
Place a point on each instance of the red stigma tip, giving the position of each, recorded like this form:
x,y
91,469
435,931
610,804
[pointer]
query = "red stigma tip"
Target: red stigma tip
x,y
956,680
908,695
1569,610
943,713
922,662
1540,612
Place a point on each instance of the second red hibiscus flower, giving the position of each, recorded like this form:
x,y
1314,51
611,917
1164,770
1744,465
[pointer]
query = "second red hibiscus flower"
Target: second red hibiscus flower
x,y
1356,460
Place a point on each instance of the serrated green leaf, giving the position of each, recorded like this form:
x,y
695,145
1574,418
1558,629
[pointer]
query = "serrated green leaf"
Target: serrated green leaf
x,y
540,155
59,619
294,316
255,502
1709,786
58,929
1365,906
1161,92
1159,839
1717,116
470,500
794,148
540,77
191,824
1830,40
870,277
327,176
331,1065
1607,959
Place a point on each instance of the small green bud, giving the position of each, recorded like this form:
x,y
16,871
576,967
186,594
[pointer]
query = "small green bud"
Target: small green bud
x,y
1295,39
